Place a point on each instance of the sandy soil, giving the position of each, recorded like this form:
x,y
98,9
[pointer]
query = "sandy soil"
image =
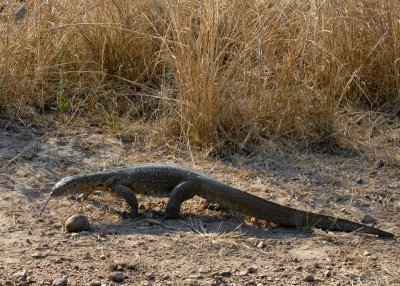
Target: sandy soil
x,y
206,246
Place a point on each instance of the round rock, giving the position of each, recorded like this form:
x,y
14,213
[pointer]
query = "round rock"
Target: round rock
x,y
95,282
117,276
60,282
77,223
309,278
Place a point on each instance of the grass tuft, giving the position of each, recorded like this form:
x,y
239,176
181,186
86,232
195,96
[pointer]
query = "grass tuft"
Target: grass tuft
x,y
212,72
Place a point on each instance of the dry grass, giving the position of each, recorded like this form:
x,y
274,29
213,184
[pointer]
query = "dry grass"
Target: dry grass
x,y
213,72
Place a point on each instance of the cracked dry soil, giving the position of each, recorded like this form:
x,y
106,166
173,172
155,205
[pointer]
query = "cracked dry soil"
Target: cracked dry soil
x,y
207,246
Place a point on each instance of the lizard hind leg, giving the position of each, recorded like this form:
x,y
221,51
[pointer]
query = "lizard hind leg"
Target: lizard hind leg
x,y
128,195
180,193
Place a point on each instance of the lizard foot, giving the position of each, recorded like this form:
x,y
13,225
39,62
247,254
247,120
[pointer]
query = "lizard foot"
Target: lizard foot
x,y
128,215
76,198
167,216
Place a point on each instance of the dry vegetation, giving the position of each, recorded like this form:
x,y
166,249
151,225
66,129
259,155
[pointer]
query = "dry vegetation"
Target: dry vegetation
x,y
212,72
260,76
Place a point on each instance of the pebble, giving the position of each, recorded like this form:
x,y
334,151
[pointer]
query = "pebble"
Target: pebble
x,y
366,253
150,275
368,219
20,275
317,265
117,276
226,273
328,273
77,223
38,255
95,283
60,282
261,244
253,269
309,278
191,282
359,181
298,268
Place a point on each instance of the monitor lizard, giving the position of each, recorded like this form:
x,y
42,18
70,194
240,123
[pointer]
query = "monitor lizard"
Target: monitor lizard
x,y
181,183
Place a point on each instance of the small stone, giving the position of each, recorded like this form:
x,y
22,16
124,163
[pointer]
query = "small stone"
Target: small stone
x,y
58,261
60,282
317,265
20,275
328,273
368,219
295,259
309,278
30,279
225,273
203,271
263,275
150,275
103,257
244,272
261,244
360,181
119,268
37,255
214,274
253,269
77,223
298,268
366,253
191,282
95,283
117,276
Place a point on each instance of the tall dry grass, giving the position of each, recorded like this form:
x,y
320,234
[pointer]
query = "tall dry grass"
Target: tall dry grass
x,y
211,71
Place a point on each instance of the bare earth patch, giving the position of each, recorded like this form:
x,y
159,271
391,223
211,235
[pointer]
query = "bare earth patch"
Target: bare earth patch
x,y
205,247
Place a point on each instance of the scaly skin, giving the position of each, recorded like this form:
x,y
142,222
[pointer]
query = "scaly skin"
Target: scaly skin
x,y
181,184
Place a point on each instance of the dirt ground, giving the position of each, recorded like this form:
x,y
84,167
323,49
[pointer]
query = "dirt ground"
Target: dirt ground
x,y
204,247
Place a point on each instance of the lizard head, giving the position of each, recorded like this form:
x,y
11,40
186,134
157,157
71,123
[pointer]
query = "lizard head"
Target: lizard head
x,y
78,184
68,186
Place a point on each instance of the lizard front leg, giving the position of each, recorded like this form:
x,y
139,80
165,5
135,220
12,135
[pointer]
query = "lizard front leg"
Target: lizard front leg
x,y
180,193
128,195
81,197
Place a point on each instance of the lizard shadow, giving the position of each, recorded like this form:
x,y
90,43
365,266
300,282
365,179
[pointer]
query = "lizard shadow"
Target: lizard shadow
x,y
150,222
208,226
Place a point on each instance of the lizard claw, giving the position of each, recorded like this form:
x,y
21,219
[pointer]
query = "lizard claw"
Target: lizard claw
x,y
128,215
77,198
167,216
